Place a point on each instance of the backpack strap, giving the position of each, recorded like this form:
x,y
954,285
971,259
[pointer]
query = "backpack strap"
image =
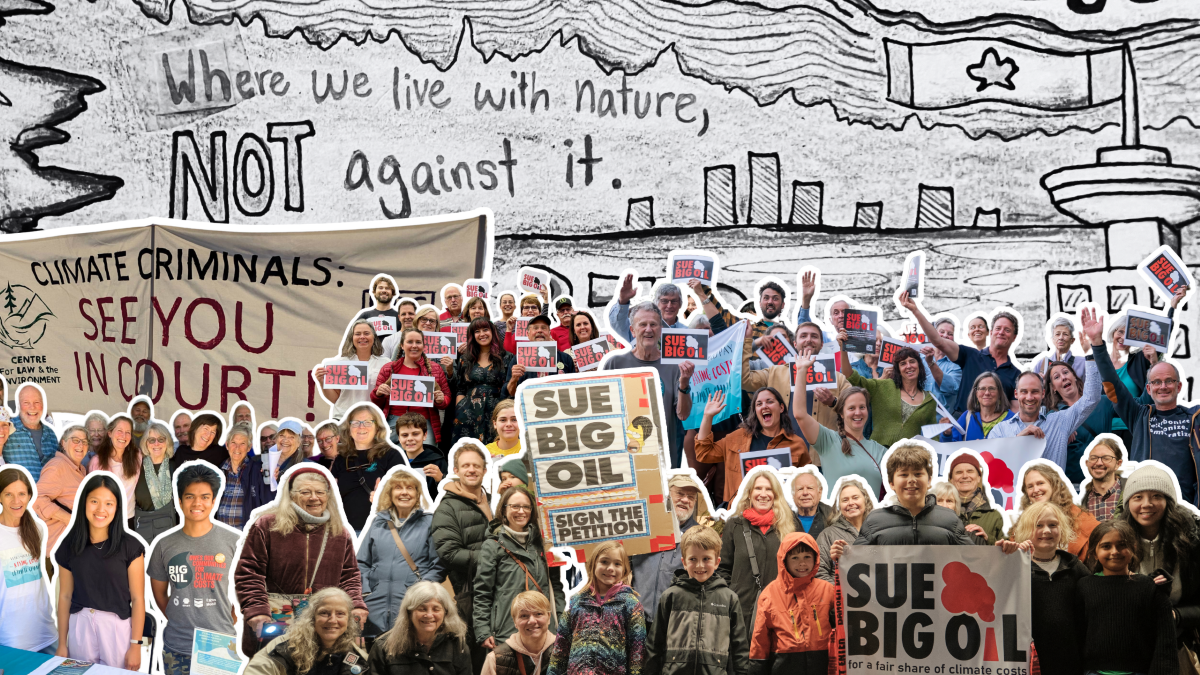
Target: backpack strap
x,y
528,576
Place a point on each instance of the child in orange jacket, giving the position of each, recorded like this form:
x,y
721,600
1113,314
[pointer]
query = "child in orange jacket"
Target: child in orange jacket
x,y
793,628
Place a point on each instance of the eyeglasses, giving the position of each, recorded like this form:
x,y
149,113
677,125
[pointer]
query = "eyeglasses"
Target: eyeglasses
x,y
77,441
1107,459
987,390
309,494
515,507
153,440
362,424
1170,382
327,440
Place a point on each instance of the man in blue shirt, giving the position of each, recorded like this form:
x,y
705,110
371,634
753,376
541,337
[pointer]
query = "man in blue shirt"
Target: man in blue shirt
x,y
974,362
31,443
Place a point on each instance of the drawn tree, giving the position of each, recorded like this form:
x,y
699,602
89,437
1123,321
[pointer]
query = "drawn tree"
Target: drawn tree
x,y
10,302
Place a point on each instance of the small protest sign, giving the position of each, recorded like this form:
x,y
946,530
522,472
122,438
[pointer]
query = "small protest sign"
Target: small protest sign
x,y
913,334
477,288
776,458
822,374
538,357
862,326
460,331
776,350
723,372
1145,328
587,355
439,344
383,325
965,608
412,390
683,266
534,280
1165,271
613,343
913,267
351,375
521,328
889,349
684,344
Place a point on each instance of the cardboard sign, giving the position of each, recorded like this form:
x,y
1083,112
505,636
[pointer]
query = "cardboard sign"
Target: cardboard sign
x,y
822,374
1165,271
439,344
521,328
477,288
862,326
776,350
383,325
597,443
587,355
538,357
913,268
683,267
966,608
1144,328
534,280
412,390
889,349
461,332
684,344
350,375
775,457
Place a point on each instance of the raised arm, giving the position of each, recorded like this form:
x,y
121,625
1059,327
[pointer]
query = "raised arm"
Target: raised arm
x,y
948,347
1126,405
683,399
808,424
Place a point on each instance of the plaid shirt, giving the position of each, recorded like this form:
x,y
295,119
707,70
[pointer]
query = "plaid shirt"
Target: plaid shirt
x,y
1107,505
230,509
20,448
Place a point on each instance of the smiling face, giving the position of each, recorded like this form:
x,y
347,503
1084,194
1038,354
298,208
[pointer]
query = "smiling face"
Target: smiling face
x,y
428,322
806,491
910,369
700,563
14,499
330,622
965,478
1118,338
96,431
406,312
483,337
238,447
1148,508
1163,384
384,292
565,312
531,624
670,305
1065,382
311,492
911,483
762,495
327,441
140,412
584,330
1046,535
800,561
508,304
1029,395
411,439
1036,486
363,338
205,435
287,442
771,303
427,618
241,416
808,338
477,311
837,314
647,329
100,506
404,496
1003,333
1113,554
76,445
518,510
1103,462
29,402
610,571
529,307
362,428
182,424
1062,338
855,413
683,502
121,434
197,502
945,330
157,444
470,467
977,332
768,410
987,393
506,425
539,331
852,503
413,346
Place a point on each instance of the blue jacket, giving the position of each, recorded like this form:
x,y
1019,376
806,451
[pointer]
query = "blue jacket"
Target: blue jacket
x,y
386,576
972,423
255,491
20,448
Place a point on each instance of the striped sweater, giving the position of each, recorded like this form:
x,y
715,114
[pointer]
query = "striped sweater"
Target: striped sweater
x,y
601,639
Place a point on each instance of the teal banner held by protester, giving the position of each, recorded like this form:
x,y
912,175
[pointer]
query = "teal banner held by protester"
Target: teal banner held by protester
x,y
724,371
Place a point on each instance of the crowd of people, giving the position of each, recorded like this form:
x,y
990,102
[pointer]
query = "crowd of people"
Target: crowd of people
x,y
396,539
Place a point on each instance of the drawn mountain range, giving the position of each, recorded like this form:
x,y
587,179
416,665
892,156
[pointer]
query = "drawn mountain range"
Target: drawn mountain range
x,y
823,52
25,323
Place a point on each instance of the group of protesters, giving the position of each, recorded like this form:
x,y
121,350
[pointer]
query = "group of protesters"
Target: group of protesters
x,y
430,556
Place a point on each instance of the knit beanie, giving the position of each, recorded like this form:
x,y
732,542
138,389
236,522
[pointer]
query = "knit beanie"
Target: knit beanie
x,y
1148,478
517,468
965,458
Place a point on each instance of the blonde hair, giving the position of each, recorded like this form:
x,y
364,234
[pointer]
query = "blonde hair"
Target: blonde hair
x,y
286,518
301,636
868,505
501,407
429,309
159,429
608,547
705,538
1060,494
529,600
943,490
398,478
348,350
402,637
785,521
1027,523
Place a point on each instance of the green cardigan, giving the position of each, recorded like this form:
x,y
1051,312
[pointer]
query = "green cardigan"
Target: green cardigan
x,y
885,410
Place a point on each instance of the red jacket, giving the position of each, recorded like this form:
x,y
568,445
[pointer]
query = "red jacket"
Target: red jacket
x,y
439,375
793,627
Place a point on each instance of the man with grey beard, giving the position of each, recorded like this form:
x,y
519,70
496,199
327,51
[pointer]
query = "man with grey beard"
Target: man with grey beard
x,y
653,573
140,413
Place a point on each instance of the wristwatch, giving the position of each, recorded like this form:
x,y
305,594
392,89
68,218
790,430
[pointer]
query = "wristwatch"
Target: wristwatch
x,y
684,390
138,642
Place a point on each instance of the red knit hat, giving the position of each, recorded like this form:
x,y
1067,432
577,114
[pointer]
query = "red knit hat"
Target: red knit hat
x,y
965,458
303,470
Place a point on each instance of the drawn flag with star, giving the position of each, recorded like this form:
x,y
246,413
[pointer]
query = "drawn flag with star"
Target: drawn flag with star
x,y
961,72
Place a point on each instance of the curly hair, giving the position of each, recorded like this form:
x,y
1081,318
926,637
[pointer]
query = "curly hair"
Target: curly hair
x,y
301,637
902,356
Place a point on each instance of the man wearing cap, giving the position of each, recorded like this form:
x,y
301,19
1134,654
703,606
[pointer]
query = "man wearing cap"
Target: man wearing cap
x,y
1160,430
31,443
539,331
653,573
674,381
561,333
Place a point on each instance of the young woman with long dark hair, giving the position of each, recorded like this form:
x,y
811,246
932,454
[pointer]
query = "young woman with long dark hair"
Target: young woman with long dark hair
x,y
478,381
24,597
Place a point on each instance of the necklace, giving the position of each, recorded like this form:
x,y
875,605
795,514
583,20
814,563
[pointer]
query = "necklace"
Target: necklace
x,y
1046,560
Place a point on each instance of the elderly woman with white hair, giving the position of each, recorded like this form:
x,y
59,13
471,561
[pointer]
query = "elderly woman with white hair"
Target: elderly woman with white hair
x,y
298,546
428,637
60,480
154,505
321,641
397,549
1062,337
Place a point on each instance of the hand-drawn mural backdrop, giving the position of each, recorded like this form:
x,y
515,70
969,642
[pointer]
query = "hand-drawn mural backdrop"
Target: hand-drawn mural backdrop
x,y
989,133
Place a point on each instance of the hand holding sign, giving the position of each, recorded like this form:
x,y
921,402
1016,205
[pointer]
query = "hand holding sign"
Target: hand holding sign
x,y
1178,297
